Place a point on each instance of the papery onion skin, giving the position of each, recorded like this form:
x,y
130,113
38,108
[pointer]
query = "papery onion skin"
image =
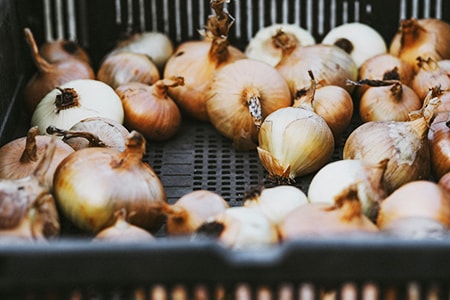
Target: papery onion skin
x,y
294,142
430,74
230,92
418,198
92,183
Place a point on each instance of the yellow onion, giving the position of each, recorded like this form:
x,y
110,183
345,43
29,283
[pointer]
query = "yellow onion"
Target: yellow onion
x,y
404,143
323,219
58,50
431,73
20,157
293,142
240,97
335,177
93,132
426,37
330,64
27,207
122,231
444,182
191,210
149,109
125,67
261,45
439,141
387,100
197,61
91,184
418,198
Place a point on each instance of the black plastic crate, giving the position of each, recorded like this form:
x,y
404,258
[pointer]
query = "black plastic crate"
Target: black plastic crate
x,y
199,158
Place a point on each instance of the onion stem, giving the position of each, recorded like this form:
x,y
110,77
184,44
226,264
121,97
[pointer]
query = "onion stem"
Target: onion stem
x,y
94,140
67,99
30,152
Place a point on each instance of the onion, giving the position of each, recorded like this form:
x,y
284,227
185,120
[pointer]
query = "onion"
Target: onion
x,y
74,101
59,50
359,40
261,45
150,110
427,37
20,157
125,67
276,202
444,181
241,227
27,206
418,198
323,219
122,231
49,75
335,177
197,61
91,184
416,228
193,209
330,64
240,97
403,143
93,132
293,142
431,73
439,141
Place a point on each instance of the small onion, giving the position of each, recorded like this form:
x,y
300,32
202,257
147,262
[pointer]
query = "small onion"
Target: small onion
x,y
240,97
431,73
125,67
418,198
261,45
74,101
404,143
149,109
294,142
20,157
330,64
359,40
427,37
335,177
91,184
193,209
122,231
93,132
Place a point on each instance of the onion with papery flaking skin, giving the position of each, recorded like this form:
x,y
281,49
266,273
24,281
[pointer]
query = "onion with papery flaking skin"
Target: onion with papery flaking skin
x,y
150,110
197,61
403,143
431,73
240,97
91,184
20,157
418,198
50,75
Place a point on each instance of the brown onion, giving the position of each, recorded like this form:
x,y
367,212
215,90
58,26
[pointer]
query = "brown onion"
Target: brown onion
x,y
241,96
444,182
431,73
197,61
427,37
125,67
419,198
51,75
149,109
91,184
58,50
20,157
439,140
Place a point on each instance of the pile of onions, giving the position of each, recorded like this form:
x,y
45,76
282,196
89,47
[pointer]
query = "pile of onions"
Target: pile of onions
x,y
93,132
330,64
74,101
431,73
427,37
293,142
335,177
359,40
149,109
241,95
51,74
418,198
261,45
20,157
125,67
27,207
89,187
197,61
404,143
